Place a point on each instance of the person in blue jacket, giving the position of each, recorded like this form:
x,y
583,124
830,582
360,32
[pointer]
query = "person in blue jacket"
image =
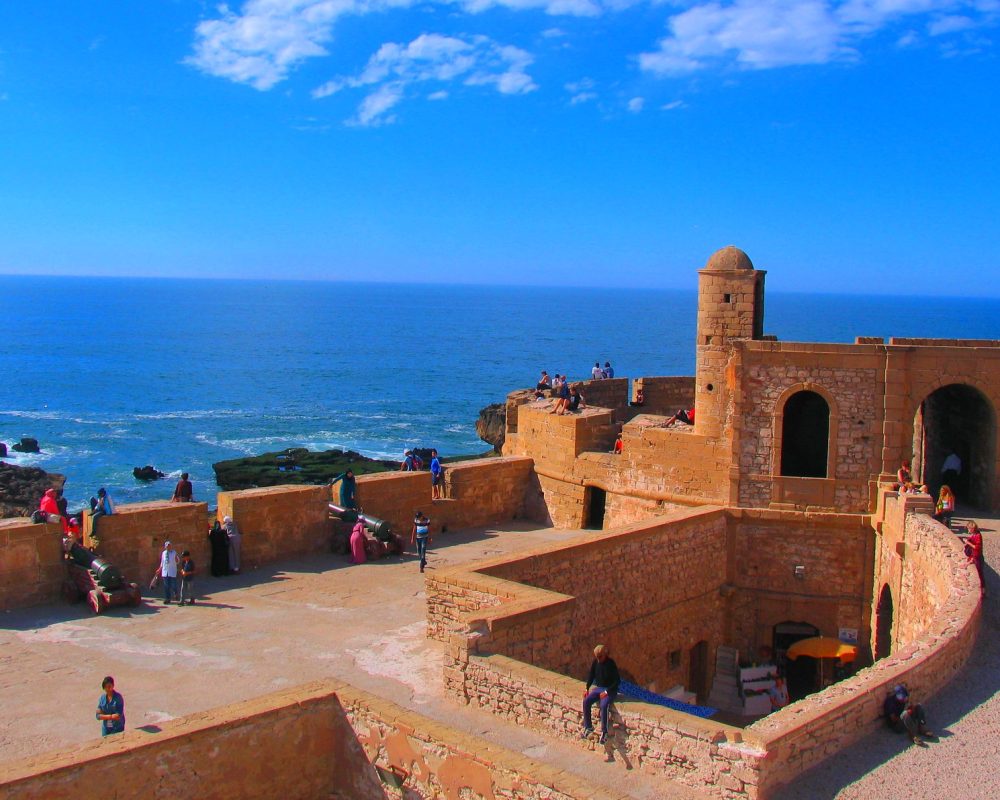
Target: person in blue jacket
x,y
111,708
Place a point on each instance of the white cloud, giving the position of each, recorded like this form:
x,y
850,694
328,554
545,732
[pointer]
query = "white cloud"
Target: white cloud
x,y
763,34
582,97
950,24
636,104
673,105
570,8
441,95
475,61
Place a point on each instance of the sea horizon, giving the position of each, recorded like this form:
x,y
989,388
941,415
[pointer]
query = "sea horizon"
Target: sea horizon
x,y
114,373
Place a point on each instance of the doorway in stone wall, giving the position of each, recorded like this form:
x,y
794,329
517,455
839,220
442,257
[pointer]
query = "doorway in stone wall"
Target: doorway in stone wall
x,y
959,418
594,501
883,623
698,670
800,673
805,435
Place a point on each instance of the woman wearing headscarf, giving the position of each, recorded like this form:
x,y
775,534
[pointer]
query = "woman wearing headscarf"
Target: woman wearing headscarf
x,y
49,506
235,541
358,543
219,541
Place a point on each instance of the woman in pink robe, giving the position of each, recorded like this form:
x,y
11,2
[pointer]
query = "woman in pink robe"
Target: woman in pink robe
x,y
358,543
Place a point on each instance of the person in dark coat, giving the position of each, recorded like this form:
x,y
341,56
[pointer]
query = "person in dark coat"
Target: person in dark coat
x,y
602,686
219,540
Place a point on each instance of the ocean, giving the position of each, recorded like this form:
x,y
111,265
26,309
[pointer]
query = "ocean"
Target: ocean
x,y
109,374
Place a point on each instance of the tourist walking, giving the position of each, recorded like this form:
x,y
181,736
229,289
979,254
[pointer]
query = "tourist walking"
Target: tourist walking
x,y
603,681
951,469
974,552
187,578
183,491
235,543
110,708
219,542
167,572
421,537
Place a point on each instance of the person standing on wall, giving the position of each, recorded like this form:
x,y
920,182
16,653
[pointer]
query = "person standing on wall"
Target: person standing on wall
x,y
183,491
348,489
110,708
437,476
603,681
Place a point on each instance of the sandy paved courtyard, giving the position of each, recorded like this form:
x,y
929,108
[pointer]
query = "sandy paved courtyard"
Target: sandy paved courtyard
x,y
268,629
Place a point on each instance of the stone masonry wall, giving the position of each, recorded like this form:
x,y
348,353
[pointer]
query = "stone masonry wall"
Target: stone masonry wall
x,y
319,740
664,395
804,733
547,611
132,538
836,551
845,375
31,563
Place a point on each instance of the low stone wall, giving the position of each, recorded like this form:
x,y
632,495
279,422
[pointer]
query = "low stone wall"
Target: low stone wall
x,y
478,492
279,521
31,563
664,395
319,740
132,538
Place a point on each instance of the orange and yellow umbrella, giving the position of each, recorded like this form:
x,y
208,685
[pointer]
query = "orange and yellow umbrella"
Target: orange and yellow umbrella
x,y
823,647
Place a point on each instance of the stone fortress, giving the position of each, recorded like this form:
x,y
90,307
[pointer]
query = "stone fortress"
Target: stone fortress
x,y
772,518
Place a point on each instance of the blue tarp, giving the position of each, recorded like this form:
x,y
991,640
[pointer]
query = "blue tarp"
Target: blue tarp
x,y
637,692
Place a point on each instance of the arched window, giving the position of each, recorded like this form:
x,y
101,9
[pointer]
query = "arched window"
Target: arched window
x,y
805,436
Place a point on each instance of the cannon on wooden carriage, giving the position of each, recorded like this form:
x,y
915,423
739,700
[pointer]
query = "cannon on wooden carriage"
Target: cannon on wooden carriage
x,y
95,580
379,539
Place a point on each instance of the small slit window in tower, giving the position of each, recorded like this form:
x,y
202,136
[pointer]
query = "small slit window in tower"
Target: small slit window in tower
x,y
675,659
727,298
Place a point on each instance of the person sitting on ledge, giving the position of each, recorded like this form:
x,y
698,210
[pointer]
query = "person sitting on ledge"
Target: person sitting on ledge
x,y
903,473
618,445
687,417
101,506
576,400
348,488
183,491
544,384
562,403
640,398
602,684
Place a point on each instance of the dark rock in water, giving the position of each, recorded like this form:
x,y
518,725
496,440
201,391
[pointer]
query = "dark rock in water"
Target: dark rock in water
x,y
27,445
21,488
297,465
492,425
3,450
147,473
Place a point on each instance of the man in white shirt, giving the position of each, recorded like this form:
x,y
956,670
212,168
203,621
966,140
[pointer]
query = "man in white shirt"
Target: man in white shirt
x,y
950,470
168,572
597,372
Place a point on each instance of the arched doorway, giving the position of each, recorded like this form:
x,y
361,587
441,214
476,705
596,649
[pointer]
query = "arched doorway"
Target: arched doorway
x,y
800,674
698,670
883,623
805,435
959,418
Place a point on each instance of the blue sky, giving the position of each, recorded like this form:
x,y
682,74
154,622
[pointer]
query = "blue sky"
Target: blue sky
x,y
846,145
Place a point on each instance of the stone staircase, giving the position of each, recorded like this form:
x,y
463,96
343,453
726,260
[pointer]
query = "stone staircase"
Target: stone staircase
x,y
725,694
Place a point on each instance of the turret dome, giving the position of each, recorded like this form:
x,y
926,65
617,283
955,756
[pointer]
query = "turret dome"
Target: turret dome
x,y
729,259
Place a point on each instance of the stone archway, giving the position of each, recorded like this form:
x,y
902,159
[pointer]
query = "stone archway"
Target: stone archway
x,y
956,417
805,435
884,612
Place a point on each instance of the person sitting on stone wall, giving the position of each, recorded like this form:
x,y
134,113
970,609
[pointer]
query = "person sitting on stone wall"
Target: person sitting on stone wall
x,y
576,400
685,416
640,398
603,681
618,446
562,403
544,385
101,506
597,373
903,474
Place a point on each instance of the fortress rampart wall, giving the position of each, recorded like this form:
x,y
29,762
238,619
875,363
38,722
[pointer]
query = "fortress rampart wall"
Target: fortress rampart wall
x,y
519,630
277,522
321,739
31,568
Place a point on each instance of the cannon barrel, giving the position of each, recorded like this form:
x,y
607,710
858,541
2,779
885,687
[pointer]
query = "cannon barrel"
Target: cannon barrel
x,y
380,528
107,575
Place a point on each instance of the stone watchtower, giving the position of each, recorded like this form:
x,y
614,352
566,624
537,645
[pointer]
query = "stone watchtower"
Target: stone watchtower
x,y
730,306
